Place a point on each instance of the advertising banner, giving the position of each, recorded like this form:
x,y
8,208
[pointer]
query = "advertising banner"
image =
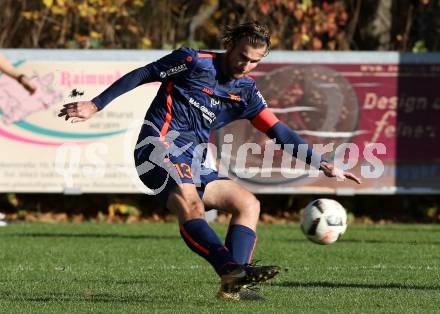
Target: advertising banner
x,y
41,152
380,121
377,119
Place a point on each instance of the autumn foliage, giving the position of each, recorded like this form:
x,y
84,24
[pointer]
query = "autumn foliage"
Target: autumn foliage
x,y
166,24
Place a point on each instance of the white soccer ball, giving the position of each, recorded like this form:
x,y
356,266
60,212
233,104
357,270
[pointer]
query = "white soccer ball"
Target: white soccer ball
x,y
324,221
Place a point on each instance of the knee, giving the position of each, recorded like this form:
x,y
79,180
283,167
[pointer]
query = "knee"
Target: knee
x,y
195,209
255,205
250,206
185,208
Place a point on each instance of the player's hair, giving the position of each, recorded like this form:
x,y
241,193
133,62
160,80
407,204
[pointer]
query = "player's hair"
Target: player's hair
x,y
256,34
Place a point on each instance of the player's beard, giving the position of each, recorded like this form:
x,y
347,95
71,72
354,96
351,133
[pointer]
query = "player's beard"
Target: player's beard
x,y
230,70
236,73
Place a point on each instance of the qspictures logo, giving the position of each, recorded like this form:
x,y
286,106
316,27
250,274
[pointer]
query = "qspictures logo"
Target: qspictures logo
x,y
162,151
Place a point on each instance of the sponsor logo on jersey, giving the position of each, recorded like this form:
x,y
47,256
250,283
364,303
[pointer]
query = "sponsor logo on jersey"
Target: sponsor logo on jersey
x,y
194,102
206,113
234,97
215,102
262,98
208,91
177,69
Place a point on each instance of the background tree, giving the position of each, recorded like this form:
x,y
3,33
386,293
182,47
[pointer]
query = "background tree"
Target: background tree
x,y
404,25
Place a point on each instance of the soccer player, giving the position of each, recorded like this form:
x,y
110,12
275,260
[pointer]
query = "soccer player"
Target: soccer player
x,y
202,91
10,71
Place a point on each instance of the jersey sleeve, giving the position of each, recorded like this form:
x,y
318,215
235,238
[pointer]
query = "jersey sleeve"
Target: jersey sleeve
x,y
255,103
172,66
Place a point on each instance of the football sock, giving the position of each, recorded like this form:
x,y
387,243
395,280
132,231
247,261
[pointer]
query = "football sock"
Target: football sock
x,y
241,241
201,239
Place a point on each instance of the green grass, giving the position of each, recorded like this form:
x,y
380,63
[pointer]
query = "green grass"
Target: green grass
x,y
147,268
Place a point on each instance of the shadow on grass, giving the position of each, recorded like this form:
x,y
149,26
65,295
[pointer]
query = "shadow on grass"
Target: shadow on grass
x,y
92,298
370,241
90,235
390,242
100,282
338,285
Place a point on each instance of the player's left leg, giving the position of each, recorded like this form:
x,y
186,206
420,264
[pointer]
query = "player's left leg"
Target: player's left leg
x,y
228,196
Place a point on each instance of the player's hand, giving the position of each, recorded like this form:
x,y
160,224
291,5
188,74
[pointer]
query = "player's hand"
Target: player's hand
x,y
27,84
331,171
79,111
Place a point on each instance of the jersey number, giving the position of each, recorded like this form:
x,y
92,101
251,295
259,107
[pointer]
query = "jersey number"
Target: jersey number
x,y
184,170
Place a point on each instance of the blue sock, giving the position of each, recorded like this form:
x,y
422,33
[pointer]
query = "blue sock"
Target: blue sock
x,y
200,238
241,241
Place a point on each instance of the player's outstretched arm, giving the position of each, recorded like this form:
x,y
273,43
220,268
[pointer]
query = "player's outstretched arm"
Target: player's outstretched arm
x,y
268,123
78,111
332,172
83,110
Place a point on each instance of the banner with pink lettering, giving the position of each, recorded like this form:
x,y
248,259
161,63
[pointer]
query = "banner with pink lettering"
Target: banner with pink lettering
x,y
41,152
379,121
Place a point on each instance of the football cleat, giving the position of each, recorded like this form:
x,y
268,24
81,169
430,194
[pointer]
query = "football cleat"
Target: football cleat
x,y
242,280
228,296
258,273
231,284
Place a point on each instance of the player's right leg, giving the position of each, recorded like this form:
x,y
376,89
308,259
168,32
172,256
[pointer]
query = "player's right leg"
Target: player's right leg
x,y
201,239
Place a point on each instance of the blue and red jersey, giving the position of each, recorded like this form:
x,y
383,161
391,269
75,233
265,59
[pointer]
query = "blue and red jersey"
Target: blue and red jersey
x,y
195,97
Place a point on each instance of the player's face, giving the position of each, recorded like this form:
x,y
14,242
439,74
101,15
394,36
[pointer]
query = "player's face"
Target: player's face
x,y
242,58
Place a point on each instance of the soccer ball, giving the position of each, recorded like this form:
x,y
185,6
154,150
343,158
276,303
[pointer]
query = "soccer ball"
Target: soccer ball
x,y
324,221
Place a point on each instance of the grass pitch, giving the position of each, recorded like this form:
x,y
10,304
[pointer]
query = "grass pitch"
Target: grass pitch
x,y
146,268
